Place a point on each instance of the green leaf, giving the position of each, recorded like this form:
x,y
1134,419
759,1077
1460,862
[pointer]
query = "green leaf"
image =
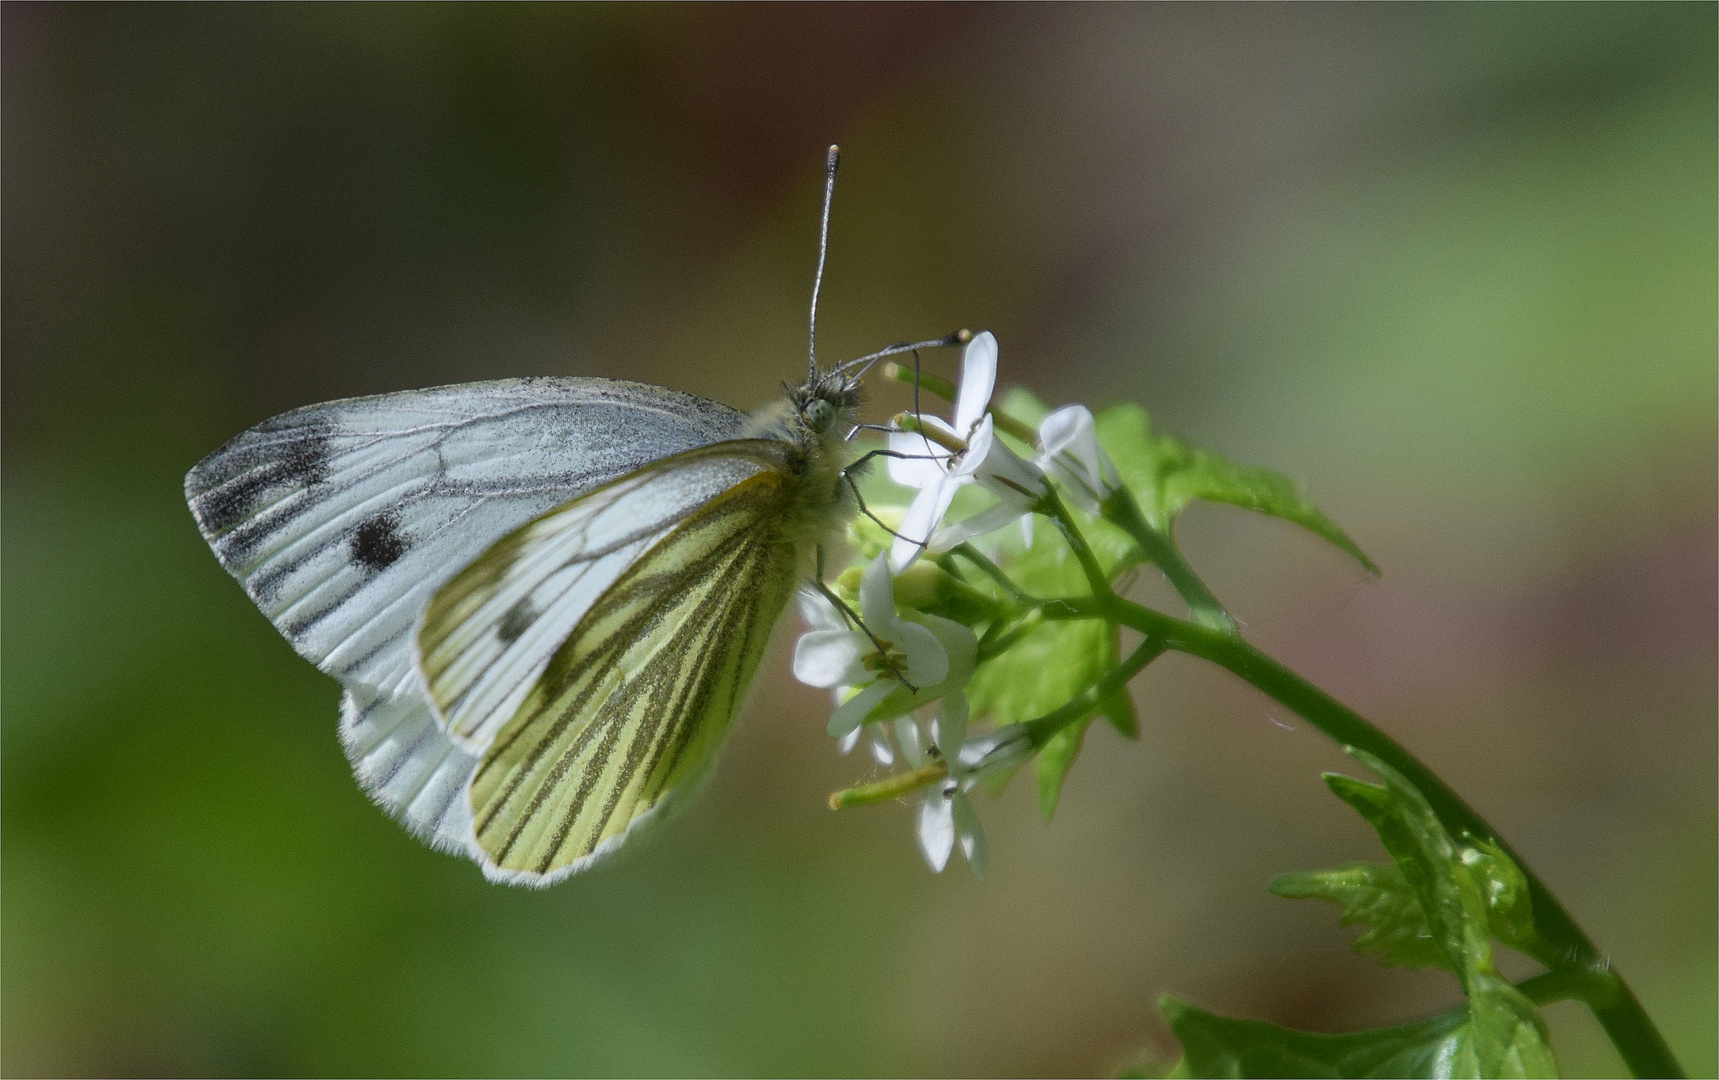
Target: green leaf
x,y
1043,670
1055,758
1509,1035
1055,660
1166,474
1447,1045
1509,1032
1379,897
1509,909
1118,708
1454,907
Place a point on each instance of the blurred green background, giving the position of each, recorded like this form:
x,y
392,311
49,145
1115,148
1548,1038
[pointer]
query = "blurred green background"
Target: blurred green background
x,y
1455,265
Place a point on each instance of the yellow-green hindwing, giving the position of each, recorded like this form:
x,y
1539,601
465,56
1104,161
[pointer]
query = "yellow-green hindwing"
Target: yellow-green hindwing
x,y
642,692
636,696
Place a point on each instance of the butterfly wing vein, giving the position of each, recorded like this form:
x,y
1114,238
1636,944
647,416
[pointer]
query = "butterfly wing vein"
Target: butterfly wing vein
x,y
342,519
634,702
545,597
490,632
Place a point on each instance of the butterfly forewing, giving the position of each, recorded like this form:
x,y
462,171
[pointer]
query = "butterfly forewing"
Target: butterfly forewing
x,y
342,519
631,705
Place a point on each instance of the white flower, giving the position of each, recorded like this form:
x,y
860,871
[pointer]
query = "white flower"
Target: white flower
x,y
947,816
1018,486
899,664
939,472
927,465
834,656
819,614
1069,451
1002,749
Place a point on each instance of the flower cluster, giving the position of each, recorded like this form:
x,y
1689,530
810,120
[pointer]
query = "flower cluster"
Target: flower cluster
x,y
890,667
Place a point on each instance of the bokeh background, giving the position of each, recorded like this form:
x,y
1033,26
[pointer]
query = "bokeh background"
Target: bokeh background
x,y
1454,265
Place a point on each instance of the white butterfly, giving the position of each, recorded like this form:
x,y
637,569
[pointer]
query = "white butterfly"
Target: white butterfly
x,y
544,597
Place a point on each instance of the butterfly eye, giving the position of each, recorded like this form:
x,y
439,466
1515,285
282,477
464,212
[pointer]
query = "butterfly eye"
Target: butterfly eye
x,y
820,413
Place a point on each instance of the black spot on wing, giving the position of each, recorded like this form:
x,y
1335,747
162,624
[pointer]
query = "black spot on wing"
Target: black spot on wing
x,y
519,617
377,544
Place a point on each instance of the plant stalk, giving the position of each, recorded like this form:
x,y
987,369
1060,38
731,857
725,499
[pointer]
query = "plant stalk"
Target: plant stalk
x,y
890,787
1614,1004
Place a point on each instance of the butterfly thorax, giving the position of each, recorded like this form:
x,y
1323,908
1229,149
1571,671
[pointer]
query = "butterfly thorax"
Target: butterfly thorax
x,y
814,419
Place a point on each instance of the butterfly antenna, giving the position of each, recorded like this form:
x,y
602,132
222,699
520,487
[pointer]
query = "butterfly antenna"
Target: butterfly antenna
x,y
830,162
959,337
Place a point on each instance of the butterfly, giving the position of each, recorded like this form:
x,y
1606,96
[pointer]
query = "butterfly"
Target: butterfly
x,y
544,597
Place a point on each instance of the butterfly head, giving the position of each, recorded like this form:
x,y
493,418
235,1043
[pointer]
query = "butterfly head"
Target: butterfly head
x,y
826,403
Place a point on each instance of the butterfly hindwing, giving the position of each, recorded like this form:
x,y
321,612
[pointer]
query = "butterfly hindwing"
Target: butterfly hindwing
x,y
490,632
342,519
408,765
630,706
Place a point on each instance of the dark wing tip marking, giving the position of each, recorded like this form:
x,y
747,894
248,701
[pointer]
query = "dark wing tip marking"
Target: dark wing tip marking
x,y
226,486
377,544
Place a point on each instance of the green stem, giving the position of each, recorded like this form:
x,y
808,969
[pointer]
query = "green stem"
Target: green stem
x,y
1084,703
942,387
1010,426
890,787
1160,548
1613,1003
1051,506
1567,985
1005,641
1542,990
992,571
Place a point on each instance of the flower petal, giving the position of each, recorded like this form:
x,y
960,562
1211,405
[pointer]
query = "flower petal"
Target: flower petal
x,y
1003,748
920,522
927,663
817,612
925,463
987,520
1069,450
936,832
1002,471
1071,426
959,644
826,658
852,712
881,752
912,743
877,598
978,445
950,730
970,833
978,379
846,743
